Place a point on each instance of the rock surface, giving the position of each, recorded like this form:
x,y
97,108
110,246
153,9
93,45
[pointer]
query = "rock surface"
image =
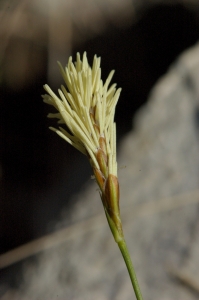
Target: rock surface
x,y
158,176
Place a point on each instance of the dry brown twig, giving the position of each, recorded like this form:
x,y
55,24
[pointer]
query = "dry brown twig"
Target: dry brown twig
x,y
184,278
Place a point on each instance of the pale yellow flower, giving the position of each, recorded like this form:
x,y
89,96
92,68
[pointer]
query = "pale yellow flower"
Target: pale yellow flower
x,y
87,108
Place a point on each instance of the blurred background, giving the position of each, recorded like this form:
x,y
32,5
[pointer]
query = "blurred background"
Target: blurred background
x,y
39,172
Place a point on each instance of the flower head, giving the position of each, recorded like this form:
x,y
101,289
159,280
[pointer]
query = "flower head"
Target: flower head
x,y
87,108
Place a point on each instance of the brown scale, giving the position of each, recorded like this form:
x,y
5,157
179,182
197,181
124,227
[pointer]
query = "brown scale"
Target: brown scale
x,y
108,183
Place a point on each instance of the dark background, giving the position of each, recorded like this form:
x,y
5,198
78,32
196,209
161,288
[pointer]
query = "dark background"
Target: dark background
x,y
40,171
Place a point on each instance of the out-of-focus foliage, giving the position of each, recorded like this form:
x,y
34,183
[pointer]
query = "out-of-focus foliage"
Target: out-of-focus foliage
x,y
29,29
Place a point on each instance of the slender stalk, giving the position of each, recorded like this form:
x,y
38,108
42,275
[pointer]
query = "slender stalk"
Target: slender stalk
x,y
125,253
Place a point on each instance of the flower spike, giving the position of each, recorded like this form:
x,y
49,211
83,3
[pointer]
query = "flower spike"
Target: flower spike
x,y
87,108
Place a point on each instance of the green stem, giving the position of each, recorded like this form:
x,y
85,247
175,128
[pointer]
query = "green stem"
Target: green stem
x,y
125,253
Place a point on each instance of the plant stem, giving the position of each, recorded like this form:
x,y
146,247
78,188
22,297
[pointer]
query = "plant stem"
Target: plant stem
x,y
125,253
